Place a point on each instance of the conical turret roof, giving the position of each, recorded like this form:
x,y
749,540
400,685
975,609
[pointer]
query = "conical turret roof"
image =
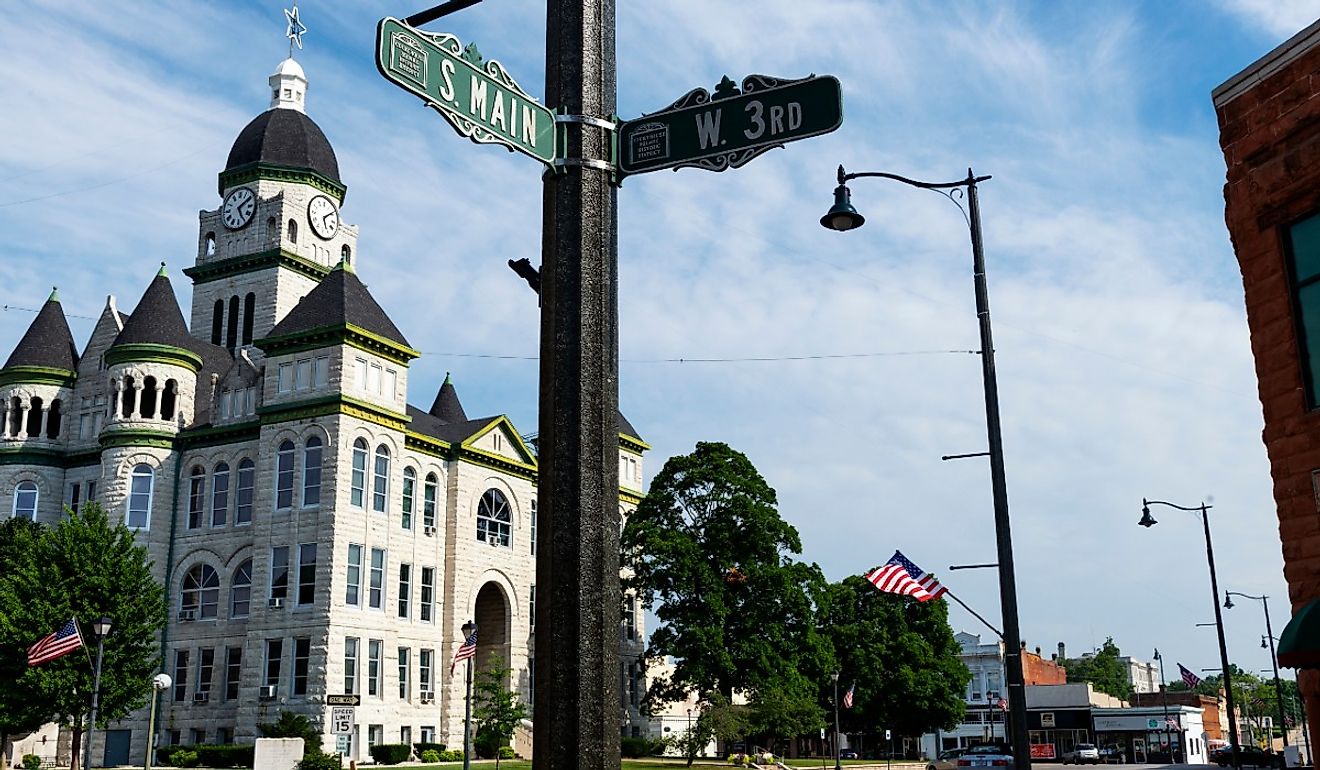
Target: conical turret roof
x,y
48,341
339,300
157,318
447,406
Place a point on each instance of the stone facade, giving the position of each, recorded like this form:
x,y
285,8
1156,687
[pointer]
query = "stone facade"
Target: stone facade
x,y
316,535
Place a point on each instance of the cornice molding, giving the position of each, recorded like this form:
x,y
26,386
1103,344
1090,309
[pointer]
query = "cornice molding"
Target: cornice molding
x,y
251,263
338,334
37,375
251,172
150,352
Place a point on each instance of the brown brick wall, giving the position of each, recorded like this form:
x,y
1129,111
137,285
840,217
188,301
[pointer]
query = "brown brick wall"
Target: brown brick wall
x,y
1036,670
1209,707
1270,136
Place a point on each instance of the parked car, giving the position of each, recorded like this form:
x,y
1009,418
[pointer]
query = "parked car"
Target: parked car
x,y
1082,753
848,754
987,755
1113,755
1251,756
947,760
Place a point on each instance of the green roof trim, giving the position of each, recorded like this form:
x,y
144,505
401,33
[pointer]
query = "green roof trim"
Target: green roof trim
x,y
17,455
429,445
37,375
633,443
333,404
215,435
151,352
251,263
630,497
338,334
251,172
137,437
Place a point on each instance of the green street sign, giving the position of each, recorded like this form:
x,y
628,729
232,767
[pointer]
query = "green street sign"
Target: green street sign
x,y
730,127
477,97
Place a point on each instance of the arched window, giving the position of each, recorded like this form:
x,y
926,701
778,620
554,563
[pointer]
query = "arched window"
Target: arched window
x,y
167,397
494,519
272,230
139,497
284,476
247,472
380,488
147,401
231,328
196,496
293,231
127,410
240,591
311,485
218,322
249,314
430,490
220,495
346,253
210,244
358,482
201,592
34,417
15,416
53,420
409,491
25,500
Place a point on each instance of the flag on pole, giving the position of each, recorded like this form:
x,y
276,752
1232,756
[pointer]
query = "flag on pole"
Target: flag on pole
x,y
894,579
1192,680
1003,704
466,651
923,578
848,696
56,645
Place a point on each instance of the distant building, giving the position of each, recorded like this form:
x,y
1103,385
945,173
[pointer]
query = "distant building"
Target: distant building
x,y
1143,675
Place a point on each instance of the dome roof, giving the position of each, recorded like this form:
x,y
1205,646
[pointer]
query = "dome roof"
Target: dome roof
x,y
291,68
284,137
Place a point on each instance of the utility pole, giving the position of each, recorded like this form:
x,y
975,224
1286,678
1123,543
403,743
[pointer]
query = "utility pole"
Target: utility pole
x,y
576,723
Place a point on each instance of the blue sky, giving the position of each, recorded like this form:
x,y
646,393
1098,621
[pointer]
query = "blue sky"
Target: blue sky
x,y
1121,340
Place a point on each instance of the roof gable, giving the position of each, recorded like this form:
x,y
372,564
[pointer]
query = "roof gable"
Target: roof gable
x,y
339,301
47,343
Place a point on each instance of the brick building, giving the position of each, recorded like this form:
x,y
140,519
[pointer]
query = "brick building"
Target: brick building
x,y
1269,121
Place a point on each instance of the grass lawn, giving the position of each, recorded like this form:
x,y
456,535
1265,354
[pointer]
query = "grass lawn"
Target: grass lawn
x,y
674,764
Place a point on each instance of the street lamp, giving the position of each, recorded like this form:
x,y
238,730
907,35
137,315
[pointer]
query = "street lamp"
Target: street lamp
x,y
1164,695
842,216
159,684
1274,661
835,677
469,628
1149,521
101,628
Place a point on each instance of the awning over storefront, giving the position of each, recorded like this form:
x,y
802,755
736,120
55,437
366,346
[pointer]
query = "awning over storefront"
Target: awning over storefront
x,y
1299,644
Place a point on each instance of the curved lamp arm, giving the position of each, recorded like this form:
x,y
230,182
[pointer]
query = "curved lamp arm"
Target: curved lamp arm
x,y
844,177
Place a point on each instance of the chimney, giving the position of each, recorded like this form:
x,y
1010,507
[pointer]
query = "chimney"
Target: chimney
x,y
1062,652
1038,652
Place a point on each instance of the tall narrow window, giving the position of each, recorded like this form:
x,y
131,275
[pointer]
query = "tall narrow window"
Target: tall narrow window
x,y
494,519
240,591
231,328
306,574
531,607
630,618
25,500
279,572
168,395
205,670
311,486
373,666
180,675
533,537
353,594
139,497
126,402
380,488
218,323
1304,266
320,371
358,481
147,400
405,588
274,657
376,588
196,496
249,315
409,489
247,472
350,665
425,660
53,419
75,494
426,606
200,593
302,656
428,500
233,671
293,231
220,495
284,476
405,665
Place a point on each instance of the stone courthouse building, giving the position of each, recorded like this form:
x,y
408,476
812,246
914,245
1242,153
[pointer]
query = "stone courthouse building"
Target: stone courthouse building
x,y
1269,120
316,533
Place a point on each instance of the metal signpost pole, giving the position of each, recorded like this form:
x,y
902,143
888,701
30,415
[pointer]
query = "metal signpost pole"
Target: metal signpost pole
x,y
577,645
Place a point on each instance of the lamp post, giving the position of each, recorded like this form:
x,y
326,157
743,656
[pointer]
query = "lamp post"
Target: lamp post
x,y
468,629
1274,661
842,216
835,677
1149,521
102,629
1164,696
159,684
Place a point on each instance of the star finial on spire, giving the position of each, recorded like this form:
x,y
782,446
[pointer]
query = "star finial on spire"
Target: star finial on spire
x,y
295,30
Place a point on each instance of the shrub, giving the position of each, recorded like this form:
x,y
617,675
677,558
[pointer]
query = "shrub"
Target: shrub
x,y
506,752
422,748
31,762
291,725
391,753
452,755
184,758
636,748
430,756
224,755
318,761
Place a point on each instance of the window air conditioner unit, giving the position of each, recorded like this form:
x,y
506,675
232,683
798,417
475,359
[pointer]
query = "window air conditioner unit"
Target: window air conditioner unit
x,y
268,690
187,615
429,530
201,697
276,603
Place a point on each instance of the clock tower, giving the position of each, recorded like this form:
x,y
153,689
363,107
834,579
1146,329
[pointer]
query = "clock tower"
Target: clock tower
x,y
276,231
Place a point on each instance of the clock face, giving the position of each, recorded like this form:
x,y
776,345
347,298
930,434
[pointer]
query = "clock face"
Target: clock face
x,y
324,217
238,209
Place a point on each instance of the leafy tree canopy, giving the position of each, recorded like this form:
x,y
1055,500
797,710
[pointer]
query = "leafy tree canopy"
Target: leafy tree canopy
x,y
709,552
496,709
1103,670
21,709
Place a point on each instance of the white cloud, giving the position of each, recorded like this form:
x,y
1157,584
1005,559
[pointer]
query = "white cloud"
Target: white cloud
x,y
1280,18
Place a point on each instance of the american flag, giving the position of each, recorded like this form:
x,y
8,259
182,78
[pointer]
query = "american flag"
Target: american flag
x,y
1002,704
924,578
848,696
56,645
1192,680
466,651
894,579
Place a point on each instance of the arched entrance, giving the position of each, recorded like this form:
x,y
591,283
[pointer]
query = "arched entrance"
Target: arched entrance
x,y
493,620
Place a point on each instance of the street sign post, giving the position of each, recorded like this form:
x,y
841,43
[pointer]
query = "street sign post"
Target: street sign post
x,y
343,700
730,127
478,97
341,720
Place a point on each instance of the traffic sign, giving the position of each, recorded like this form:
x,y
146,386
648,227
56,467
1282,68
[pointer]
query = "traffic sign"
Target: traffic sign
x,y
730,127
343,700
478,97
341,720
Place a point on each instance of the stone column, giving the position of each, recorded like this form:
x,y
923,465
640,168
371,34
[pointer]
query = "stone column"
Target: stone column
x,y
24,406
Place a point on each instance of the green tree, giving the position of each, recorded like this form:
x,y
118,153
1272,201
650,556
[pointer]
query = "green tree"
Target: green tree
x,y
696,737
1103,670
786,709
21,709
291,725
709,552
900,657
87,569
496,709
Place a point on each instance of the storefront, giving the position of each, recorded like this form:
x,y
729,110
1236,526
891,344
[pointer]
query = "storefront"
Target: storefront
x,y
1143,735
